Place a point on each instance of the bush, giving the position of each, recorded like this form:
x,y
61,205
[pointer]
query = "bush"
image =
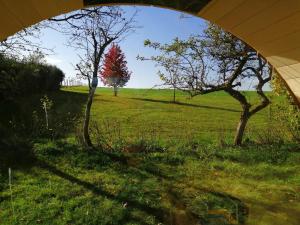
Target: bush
x,y
19,78
289,117
286,112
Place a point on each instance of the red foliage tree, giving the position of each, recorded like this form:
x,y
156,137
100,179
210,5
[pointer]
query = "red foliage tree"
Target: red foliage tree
x,y
115,72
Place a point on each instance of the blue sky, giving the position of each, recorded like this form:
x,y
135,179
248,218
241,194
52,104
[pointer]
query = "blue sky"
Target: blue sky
x,y
157,24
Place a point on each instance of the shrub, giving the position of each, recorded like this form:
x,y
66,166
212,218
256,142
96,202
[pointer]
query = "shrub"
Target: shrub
x,y
19,78
286,112
289,117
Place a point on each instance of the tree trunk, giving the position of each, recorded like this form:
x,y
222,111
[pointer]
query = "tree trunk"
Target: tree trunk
x,y
115,91
174,94
86,136
238,139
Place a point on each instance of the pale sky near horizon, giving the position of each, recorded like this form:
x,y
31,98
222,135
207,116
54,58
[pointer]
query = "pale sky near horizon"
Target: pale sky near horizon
x,y
157,24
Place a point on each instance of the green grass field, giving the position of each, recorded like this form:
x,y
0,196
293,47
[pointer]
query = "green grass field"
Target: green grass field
x,y
156,162
140,111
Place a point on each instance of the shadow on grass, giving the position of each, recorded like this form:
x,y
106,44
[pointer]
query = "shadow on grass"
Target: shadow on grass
x,y
101,100
185,104
161,214
24,117
22,124
286,211
99,161
22,157
158,213
141,169
17,154
68,110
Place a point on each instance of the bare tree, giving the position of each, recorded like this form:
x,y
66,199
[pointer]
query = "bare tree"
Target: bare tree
x,y
24,42
90,32
216,61
235,63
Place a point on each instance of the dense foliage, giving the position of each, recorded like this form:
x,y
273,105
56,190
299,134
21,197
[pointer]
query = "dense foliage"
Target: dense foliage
x,y
115,72
23,77
286,111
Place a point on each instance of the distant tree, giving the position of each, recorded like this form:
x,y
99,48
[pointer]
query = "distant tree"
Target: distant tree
x,y
181,62
115,72
217,61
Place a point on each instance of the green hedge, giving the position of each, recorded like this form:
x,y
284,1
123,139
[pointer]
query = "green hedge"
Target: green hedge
x,y
19,78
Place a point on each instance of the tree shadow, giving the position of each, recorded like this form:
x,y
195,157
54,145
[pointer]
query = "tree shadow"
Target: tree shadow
x,y
161,214
101,100
241,208
71,152
16,154
139,172
128,162
20,125
185,104
157,212
68,109
24,117
276,208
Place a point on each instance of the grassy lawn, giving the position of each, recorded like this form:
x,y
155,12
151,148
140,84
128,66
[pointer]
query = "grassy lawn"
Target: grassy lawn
x,y
160,163
205,117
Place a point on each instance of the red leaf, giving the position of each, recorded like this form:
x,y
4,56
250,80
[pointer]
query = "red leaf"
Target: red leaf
x,y
115,71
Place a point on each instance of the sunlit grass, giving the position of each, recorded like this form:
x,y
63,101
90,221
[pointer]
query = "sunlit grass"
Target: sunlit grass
x,y
166,166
